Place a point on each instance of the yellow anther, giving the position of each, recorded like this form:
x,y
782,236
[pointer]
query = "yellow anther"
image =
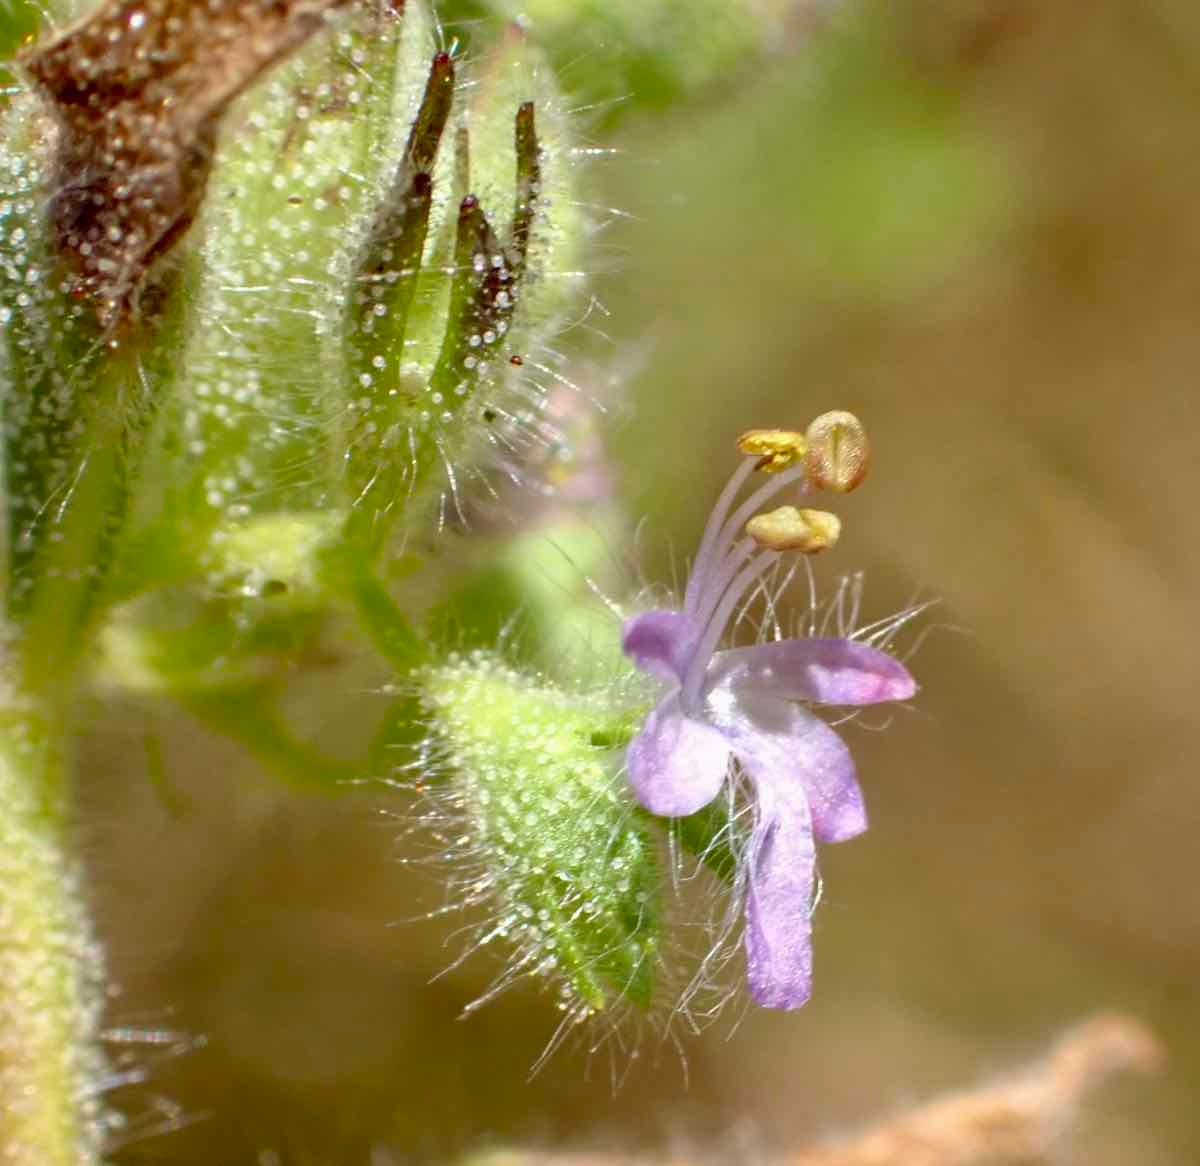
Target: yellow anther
x,y
838,452
776,449
790,529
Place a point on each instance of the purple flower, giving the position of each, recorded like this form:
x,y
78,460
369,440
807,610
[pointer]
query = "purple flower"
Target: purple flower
x,y
752,705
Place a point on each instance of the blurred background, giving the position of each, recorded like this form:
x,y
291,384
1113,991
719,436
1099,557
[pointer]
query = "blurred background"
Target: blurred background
x,y
975,223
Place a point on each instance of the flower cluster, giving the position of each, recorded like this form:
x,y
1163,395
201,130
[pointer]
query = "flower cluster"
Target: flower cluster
x,y
751,705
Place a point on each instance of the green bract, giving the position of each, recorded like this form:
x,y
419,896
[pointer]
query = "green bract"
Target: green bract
x,y
566,862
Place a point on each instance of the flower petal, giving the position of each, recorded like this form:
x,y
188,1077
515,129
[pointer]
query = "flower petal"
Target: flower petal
x,y
785,747
676,764
825,671
779,899
660,642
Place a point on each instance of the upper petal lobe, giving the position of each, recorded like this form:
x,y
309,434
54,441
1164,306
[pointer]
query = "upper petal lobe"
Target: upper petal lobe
x,y
823,671
659,642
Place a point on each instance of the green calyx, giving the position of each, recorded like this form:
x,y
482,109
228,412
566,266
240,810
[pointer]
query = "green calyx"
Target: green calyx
x,y
373,258
534,778
337,342
451,287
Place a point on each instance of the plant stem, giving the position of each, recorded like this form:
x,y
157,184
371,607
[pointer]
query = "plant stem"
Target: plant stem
x,y
50,993
350,572
248,717
51,972
76,555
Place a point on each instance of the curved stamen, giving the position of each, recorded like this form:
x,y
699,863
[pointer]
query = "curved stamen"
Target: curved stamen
x,y
723,572
713,529
731,527
693,681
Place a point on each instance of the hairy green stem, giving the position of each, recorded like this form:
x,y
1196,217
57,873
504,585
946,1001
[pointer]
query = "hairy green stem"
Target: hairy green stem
x,y
249,718
50,967
349,572
74,559
50,991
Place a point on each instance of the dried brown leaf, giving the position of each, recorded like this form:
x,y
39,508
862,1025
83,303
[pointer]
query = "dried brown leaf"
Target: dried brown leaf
x,y
138,90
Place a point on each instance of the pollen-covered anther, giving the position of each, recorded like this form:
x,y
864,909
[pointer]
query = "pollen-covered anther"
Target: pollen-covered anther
x,y
838,452
791,529
776,449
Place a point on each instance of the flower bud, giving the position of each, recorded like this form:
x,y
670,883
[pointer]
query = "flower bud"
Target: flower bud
x,y
533,778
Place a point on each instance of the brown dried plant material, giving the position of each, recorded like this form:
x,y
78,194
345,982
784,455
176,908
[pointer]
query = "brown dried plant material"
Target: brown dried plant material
x,y
138,89
1016,1122
1021,1121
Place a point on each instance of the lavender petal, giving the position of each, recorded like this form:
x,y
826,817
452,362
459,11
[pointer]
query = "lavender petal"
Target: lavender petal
x,y
785,747
660,642
779,900
676,764
823,671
